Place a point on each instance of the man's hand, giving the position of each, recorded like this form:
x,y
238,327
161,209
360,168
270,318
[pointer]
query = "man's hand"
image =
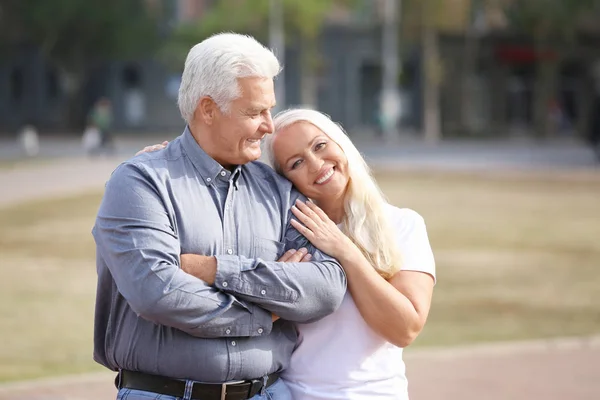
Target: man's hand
x,y
202,267
293,255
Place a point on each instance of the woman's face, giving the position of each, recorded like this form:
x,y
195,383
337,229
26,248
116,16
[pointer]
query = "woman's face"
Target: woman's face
x,y
313,162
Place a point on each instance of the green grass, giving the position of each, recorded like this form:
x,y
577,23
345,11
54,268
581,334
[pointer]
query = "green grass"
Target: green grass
x,y
47,288
518,257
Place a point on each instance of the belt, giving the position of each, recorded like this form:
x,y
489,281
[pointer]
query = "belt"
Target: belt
x,y
234,390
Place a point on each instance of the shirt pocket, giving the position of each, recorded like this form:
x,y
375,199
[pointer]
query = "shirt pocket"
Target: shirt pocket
x,y
267,249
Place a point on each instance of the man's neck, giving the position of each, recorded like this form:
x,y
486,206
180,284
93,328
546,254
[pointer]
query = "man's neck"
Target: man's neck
x,y
200,134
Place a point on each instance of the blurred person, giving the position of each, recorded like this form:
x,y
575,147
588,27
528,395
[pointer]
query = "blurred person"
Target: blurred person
x,y
356,352
220,328
100,122
29,140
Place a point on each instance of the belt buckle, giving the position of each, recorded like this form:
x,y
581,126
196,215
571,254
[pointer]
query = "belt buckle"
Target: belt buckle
x,y
224,387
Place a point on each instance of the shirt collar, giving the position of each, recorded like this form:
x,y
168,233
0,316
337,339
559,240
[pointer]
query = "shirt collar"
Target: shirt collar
x,y
206,166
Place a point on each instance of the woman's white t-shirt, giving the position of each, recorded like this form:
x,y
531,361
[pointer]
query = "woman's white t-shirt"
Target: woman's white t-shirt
x,y
340,356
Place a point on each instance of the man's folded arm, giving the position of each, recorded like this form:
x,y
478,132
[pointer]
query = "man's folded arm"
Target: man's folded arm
x,y
297,291
136,239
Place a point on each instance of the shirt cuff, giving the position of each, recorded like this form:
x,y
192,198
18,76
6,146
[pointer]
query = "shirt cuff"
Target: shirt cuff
x,y
260,324
228,276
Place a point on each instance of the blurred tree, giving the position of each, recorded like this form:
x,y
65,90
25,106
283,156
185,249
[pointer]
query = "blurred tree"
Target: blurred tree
x,y
74,34
552,25
304,20
426,18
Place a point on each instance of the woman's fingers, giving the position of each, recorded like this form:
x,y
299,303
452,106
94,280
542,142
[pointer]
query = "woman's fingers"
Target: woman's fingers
x,y
307,233
306,219
307,210
317,210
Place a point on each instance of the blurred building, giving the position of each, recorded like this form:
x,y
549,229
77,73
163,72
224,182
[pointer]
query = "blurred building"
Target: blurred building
x,y
476,46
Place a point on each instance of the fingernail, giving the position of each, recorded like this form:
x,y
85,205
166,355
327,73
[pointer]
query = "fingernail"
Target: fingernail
x,y
308,256
304,250
292,251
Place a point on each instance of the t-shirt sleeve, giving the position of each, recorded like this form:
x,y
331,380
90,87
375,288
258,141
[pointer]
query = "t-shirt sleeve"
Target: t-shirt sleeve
x,y
412,241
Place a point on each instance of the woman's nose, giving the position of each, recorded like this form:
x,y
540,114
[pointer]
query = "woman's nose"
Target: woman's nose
x,y
315,164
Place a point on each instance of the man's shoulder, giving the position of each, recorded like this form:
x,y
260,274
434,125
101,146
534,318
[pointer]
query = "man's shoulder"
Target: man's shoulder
x,y
263,174
262,171
151,163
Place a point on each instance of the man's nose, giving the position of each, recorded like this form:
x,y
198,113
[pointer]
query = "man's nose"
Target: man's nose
x,y
267,125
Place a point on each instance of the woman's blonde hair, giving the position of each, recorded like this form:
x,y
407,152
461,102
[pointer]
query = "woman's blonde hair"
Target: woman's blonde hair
x,y
365,221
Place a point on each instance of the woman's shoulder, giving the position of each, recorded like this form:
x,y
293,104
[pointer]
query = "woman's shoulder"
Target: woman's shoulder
x,y
403,217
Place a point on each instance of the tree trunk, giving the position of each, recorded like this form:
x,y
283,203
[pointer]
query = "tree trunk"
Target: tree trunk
x,y
308,79
432,74
74,111
468,74
545,106
585,103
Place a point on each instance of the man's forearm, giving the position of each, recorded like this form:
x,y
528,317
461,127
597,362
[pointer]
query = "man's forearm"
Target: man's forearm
x,y
295,291
205,269
202,267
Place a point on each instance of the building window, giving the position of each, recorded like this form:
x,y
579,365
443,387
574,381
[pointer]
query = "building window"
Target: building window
x,y
51,83
131,77
16,85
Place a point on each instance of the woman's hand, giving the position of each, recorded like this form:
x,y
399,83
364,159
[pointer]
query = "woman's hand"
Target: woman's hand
x,y
321,231
152,148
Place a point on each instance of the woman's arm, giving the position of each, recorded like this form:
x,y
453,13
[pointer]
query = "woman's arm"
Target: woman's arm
x,y
396,309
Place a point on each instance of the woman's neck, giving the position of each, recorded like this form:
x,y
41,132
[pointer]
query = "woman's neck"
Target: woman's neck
x,y
334,208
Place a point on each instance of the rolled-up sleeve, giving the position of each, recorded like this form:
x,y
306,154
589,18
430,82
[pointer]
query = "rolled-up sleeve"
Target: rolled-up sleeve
x,y
135,236
298,292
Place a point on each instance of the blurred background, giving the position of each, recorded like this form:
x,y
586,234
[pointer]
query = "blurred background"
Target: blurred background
x,y
482,115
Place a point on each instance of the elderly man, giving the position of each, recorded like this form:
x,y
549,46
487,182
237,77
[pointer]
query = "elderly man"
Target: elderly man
x,y
221,329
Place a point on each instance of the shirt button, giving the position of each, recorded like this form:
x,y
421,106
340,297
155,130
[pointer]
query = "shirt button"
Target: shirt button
x,y
223,173
208,179
233,343
229,251
263,292
260,330
224,284
228,331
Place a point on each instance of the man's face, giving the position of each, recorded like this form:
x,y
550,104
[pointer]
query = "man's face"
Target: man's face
x,y
237,134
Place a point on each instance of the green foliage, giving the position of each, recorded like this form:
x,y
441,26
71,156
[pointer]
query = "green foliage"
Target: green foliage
x,y
303,20
550,20
73,32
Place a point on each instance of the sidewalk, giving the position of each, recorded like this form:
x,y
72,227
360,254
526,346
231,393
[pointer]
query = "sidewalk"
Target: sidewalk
x,y
59,178
546,370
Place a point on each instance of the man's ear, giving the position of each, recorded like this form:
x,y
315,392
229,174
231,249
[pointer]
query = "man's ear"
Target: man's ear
x,y
206,110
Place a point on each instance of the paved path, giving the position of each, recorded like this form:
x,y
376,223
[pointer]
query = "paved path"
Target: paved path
x,y
545,370
59,178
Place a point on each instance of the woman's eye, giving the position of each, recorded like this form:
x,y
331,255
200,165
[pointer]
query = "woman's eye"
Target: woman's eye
x,y
320,146
296,164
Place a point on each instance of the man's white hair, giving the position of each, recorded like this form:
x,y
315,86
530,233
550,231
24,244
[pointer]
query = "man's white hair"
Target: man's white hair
x,y
365,221
213,66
